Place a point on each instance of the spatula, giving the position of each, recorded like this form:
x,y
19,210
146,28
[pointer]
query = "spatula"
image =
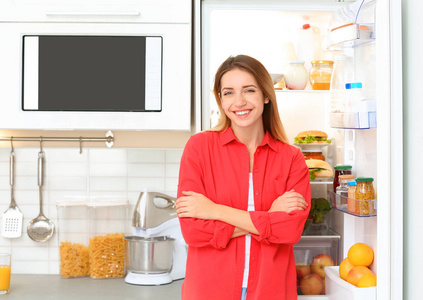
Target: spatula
x,y
12,218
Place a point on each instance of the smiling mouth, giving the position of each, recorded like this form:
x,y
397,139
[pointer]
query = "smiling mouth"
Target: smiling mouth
x,y
242,112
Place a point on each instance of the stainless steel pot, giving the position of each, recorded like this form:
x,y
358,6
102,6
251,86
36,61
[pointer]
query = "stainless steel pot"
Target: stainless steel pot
x,y
149,255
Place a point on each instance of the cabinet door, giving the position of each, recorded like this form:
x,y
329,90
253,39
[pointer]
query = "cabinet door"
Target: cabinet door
x,y
176,80
126,11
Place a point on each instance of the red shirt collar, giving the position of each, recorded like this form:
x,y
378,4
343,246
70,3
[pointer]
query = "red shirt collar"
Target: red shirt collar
x,y
228,136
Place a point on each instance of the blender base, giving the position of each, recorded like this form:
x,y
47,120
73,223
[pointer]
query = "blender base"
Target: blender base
x,y
148,279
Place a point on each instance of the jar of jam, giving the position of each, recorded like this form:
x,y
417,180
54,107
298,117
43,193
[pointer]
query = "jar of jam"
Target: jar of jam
x,y
363,193
320,74
314,155
340,170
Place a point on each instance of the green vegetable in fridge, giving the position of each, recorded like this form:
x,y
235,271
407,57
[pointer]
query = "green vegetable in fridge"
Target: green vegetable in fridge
x,y
318,209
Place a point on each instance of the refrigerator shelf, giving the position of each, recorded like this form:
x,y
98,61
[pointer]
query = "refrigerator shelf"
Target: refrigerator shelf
x,y
354,120
325,181
354,207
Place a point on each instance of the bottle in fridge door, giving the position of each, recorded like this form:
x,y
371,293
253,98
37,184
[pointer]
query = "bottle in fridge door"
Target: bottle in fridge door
x,y
341,75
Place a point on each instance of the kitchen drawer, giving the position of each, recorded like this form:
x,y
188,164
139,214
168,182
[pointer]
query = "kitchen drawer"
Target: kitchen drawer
x,y
126,11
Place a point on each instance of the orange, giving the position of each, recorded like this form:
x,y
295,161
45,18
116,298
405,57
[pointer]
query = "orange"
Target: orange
x,y
344,268
360,254
356,273
367,280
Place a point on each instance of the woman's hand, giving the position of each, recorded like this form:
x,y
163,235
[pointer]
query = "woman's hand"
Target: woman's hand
x,y
288,202
195,205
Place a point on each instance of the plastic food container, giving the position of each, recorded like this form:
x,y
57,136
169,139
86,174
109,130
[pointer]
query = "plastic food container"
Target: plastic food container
x,y
312,253
313,155
72,231
320,74
108,223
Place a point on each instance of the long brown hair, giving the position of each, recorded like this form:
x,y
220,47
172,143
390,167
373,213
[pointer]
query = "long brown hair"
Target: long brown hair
x,y
271,119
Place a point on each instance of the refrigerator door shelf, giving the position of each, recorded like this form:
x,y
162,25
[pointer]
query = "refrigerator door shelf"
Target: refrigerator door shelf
x,y
354,120
358,208
337,288
351,35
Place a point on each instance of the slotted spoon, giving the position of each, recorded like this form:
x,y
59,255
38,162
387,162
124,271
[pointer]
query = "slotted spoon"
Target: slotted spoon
x,y
12,218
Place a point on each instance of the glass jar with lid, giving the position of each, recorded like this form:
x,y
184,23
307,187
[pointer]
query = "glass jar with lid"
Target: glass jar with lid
x,y
342,191
364,193
340,170
320,74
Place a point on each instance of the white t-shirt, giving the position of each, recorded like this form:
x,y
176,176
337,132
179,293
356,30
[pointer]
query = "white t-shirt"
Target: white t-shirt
x,y
248,236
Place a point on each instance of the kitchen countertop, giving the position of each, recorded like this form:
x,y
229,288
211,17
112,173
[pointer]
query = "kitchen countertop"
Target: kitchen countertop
x,y
45,287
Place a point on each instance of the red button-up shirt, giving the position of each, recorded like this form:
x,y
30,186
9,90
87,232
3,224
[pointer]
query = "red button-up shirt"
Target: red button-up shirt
x,y
216,165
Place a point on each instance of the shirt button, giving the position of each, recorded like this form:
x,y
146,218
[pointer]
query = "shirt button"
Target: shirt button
x,y
257,193
253,258
251,281
256,170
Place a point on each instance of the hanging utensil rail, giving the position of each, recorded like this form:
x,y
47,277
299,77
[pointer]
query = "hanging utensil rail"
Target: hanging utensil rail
x,y
109,139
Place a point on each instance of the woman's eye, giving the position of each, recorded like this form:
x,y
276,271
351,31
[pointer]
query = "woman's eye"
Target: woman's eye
x,y
250,91
227,93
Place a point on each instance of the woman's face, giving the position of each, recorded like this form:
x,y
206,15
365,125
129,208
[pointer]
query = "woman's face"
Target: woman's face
x,y
242,99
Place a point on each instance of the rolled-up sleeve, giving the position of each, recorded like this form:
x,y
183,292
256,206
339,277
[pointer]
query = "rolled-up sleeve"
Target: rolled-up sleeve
x,y
198,232
281,227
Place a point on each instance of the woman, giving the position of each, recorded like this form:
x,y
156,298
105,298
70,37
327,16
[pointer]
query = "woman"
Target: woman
x,y
243,194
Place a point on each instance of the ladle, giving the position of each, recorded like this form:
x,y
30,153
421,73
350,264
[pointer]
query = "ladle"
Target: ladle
x,y
40,229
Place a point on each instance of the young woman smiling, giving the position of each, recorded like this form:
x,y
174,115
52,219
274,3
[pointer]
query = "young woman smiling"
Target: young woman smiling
x,y
243,194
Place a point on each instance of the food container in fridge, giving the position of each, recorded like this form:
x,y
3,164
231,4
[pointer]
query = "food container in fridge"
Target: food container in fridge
x,y
108,224
312,253
337,288
72,217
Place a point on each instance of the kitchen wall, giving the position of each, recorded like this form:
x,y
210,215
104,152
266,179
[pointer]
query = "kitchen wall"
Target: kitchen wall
x,y
119,173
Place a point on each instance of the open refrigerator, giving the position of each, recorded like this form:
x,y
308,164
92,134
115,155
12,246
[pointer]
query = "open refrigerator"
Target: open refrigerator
x,y
368,34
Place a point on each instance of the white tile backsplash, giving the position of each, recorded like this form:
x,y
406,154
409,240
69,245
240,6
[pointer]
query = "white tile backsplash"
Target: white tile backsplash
x,y
97,172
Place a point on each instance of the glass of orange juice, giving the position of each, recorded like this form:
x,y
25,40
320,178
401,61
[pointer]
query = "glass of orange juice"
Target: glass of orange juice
x,y
4,273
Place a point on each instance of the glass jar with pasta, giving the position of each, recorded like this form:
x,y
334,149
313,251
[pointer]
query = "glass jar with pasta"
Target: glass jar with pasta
x,y
365,195
109,223
73,238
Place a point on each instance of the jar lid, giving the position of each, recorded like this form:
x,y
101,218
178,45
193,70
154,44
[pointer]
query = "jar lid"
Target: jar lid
x,y
322,61
71,202
364,179
352,183
343,167
346,176
107,202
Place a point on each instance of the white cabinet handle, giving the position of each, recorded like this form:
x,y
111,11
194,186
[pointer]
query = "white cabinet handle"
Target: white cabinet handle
x,y
93,13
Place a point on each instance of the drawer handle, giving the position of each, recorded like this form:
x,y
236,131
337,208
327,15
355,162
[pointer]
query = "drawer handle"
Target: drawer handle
x,y
94,13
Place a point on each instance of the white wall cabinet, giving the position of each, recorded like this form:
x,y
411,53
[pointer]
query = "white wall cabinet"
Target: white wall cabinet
x,y
169,19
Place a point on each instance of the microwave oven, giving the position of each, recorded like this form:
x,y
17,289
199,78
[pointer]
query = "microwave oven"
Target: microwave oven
x,y
63,71
92,73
